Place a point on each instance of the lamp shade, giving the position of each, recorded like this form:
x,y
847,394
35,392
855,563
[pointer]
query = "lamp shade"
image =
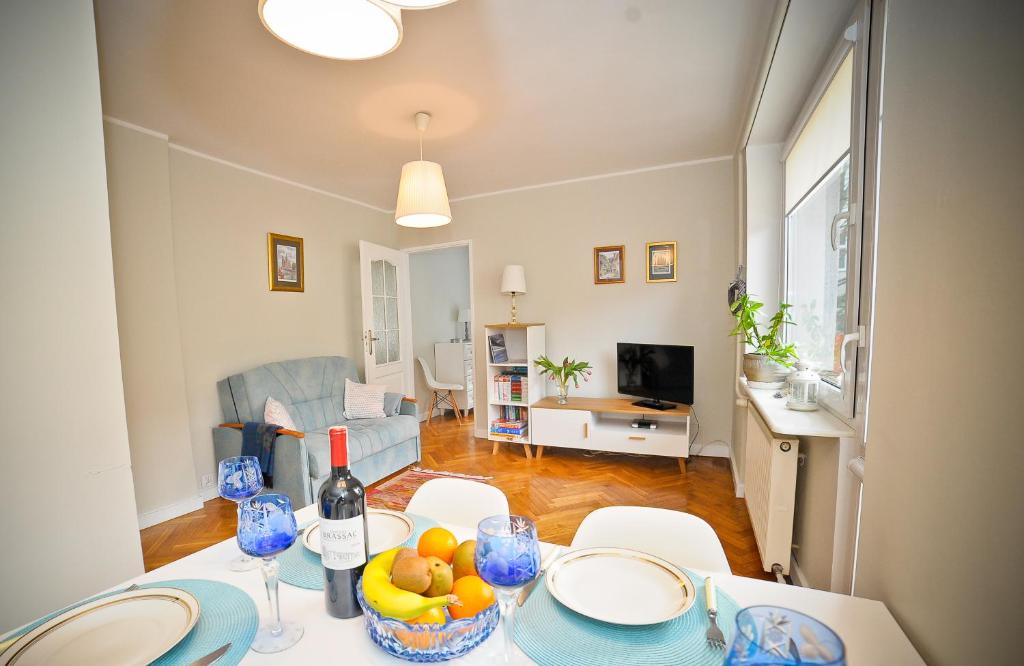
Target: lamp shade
x,y
338,29
422,196
513,280
465,316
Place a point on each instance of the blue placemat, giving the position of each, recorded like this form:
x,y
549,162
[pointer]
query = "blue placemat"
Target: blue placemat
x,y
553,635
302,568
226,613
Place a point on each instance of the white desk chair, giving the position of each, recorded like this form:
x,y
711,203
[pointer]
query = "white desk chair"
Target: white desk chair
x,y
458,501
680,538
442,395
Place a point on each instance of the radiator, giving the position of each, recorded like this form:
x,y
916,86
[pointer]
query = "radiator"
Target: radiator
x,y
770,487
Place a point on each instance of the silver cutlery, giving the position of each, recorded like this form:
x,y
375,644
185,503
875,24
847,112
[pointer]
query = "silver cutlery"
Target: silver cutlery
x,y
715,637
544,566
212,657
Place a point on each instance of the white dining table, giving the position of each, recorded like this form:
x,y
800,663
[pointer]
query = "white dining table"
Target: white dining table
x,y
869,630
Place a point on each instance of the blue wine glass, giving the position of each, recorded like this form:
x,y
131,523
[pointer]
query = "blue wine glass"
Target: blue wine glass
x,y
267,527
508,557
240,478
772,636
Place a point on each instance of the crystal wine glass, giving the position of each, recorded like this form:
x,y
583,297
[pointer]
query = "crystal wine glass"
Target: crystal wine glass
x,y
771,635
508,557
266,527
239,479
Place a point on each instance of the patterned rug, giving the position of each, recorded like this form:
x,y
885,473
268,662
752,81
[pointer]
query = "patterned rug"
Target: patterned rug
x,y
396,492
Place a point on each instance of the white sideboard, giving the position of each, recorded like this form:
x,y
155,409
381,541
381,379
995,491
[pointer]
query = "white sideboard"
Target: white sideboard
x,y
453,364
606,424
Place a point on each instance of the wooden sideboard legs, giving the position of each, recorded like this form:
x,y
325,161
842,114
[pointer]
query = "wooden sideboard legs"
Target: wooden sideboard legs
x,y
682,466
540,452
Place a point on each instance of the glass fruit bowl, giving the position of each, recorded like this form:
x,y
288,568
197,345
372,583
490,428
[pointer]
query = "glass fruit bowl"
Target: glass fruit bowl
x,y
428,642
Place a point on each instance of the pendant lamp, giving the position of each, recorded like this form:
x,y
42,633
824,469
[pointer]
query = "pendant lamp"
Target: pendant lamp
x,y
338,29
422,195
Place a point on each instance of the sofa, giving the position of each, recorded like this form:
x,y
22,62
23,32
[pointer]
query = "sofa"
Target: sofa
x,y
313,391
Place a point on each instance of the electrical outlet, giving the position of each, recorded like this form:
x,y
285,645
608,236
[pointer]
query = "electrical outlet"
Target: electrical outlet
x,y
207,480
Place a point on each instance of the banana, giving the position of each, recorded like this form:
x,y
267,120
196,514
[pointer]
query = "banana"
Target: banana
x,y
391,601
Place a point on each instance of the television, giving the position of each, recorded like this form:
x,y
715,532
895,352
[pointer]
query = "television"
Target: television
x,y
657,373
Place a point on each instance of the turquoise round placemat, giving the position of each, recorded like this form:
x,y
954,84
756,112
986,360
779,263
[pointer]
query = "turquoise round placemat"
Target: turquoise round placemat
x,y
226,614
552,635
301,567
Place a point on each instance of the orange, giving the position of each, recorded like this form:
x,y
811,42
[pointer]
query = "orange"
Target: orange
x,y
439,542
422,640
432,616
474,594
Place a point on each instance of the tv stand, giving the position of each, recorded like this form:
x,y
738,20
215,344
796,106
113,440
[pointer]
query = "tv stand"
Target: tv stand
x,y
655,404
606,424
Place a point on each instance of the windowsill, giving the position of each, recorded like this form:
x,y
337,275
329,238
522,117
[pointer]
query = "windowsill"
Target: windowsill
x,y
789,422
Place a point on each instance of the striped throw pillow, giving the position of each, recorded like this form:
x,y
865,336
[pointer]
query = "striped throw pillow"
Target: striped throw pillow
x,y
364,401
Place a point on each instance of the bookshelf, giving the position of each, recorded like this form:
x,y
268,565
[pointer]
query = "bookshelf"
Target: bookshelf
x,y
508,401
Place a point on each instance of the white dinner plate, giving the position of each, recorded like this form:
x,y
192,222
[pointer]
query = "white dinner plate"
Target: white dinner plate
x,y
132,627
620,586
387,529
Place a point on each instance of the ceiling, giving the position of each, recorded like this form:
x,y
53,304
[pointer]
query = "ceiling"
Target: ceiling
x,y
522,92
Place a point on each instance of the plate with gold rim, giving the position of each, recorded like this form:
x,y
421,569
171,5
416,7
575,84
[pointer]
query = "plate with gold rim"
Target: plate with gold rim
x,y
387,529
620,586
133,627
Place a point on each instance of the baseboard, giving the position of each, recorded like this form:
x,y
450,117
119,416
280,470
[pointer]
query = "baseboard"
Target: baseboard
x,y
157,516
207,494
796,574
715,450
737,483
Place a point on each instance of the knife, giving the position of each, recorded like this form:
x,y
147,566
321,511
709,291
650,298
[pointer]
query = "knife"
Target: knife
x,y
544,566
212,657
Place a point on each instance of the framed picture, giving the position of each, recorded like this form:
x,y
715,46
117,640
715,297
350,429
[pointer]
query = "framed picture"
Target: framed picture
x,y
661,261
285,263
609,264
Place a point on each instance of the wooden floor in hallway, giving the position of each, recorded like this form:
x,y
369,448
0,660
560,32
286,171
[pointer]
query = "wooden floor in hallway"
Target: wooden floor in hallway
x,y
557,491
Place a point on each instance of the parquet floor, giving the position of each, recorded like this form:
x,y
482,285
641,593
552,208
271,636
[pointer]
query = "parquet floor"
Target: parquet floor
x,y
557,491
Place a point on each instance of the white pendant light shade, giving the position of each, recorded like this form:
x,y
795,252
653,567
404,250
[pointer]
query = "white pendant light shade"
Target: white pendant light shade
x,y
339,29
422,196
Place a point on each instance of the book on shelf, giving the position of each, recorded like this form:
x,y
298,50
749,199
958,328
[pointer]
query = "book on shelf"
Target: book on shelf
x,y
510,387
496,345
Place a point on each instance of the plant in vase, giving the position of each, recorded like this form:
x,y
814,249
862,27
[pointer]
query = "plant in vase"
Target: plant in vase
x,y
771,354
569,370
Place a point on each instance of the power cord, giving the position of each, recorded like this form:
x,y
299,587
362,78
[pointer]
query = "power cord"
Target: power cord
x,y
693,412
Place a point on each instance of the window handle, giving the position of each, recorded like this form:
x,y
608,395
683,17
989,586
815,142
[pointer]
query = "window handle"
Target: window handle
x,y
860,337
847,215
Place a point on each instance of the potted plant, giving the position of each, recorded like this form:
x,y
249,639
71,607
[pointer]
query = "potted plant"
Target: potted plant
x,y
568,370
770,355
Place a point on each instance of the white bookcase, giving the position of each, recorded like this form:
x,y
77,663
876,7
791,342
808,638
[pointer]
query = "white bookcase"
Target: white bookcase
x,y
523,344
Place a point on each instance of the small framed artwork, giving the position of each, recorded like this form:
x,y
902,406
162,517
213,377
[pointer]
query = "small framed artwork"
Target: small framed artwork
x,y
285,263
661,261
609,264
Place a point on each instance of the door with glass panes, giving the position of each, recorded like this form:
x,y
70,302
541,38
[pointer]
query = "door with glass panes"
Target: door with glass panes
x,y
386,317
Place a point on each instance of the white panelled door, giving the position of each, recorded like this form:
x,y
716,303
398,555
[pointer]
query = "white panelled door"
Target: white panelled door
x,y
387,317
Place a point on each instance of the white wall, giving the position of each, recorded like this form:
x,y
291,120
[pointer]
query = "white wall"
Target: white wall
x,y
764,224
941,538
552,232
439,288
68,526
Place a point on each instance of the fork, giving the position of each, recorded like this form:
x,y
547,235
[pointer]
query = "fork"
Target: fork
x,y
715,637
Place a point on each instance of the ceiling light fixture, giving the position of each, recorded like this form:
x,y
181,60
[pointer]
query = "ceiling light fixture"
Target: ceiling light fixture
x,y
338,29
419,4
422,195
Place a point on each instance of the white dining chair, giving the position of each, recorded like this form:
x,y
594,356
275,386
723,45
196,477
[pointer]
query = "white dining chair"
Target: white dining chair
x,y
442,395
458,501
680,538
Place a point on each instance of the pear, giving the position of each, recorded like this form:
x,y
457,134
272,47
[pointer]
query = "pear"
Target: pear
x,y
441,579
464,562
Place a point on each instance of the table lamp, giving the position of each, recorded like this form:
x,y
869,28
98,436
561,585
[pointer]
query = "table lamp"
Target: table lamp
x,y
513,281
465,316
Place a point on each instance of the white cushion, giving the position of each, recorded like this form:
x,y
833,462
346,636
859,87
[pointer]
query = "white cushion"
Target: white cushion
x,y
277,414
364,401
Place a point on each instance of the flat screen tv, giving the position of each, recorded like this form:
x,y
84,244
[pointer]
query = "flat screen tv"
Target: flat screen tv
x,y
657,373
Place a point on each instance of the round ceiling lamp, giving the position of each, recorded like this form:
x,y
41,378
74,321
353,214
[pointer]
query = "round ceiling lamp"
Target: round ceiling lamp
x,y
338,29
419,4
422,195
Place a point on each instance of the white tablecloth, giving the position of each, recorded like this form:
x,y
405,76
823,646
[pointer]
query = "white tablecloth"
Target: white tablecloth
x,y
871,634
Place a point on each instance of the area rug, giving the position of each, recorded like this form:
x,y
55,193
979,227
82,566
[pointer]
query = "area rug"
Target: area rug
x,y
396,492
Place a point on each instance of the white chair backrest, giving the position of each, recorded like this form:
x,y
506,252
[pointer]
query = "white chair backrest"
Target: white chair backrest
x,y
680,538
427,374
458,501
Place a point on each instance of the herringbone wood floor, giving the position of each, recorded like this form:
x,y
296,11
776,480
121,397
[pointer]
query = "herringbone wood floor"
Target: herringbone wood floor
x,y
556,491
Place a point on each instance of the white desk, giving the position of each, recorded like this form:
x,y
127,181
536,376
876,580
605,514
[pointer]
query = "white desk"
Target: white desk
x,y
871,634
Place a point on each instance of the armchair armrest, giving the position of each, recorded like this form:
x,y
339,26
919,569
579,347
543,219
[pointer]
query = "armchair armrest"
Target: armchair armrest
x,y
280,431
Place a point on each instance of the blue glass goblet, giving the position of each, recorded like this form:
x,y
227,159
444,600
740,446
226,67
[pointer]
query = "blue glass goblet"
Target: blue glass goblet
x,y
771,636
240,478
266,527
508,557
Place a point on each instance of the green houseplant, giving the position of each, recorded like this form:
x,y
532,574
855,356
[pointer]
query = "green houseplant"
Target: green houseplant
x,y
771,353
569,370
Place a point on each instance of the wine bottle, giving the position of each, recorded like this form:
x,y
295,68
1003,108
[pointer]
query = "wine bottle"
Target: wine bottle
x,y
343,543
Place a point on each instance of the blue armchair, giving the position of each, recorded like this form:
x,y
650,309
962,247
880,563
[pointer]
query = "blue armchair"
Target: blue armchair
x,y
313,390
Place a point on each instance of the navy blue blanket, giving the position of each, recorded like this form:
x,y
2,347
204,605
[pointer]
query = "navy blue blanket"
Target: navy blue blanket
x,y
258,440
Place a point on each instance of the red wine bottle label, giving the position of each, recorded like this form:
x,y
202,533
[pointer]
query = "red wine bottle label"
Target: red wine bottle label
x,y
342,543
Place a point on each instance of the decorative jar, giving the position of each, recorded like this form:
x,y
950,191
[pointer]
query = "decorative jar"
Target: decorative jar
x,y
803,389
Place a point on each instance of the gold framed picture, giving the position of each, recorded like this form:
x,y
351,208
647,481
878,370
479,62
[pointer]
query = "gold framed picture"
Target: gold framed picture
x,y
661,261
285,263
609,264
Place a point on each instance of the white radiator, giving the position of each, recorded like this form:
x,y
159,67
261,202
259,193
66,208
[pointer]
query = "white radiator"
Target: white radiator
x,y
770,487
